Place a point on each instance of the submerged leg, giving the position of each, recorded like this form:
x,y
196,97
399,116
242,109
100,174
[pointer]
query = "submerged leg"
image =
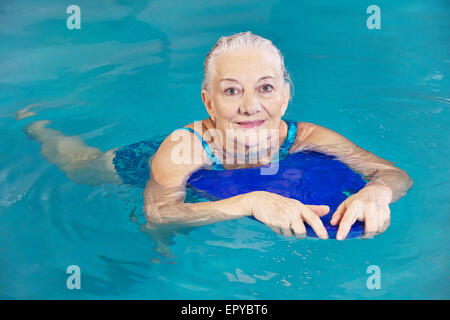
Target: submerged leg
x,y
81,163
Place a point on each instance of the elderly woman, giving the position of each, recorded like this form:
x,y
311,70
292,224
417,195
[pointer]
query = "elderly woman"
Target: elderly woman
x,y
246,88
246,91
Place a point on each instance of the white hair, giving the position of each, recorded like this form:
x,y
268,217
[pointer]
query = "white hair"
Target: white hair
x,y
241,40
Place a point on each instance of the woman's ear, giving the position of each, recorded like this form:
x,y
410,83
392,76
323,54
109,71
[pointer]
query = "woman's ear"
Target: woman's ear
x,y
286,97
208,105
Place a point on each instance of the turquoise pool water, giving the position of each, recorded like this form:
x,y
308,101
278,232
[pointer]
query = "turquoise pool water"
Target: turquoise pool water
x,y
134,71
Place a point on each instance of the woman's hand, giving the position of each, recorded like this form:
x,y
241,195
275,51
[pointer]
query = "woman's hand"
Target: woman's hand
x,y
286,216
371,205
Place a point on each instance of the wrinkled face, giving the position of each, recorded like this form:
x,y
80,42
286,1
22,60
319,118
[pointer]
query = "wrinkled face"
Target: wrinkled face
x,y
247,95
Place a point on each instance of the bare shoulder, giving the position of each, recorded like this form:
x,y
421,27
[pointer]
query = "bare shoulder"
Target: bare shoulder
x,y
304,129
178,156
311,133
330,142
193,125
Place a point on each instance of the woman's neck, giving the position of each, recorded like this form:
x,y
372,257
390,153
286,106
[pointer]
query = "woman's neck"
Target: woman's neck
x,y
232,156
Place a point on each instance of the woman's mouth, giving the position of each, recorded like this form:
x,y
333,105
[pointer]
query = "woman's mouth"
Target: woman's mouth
x,y
251,124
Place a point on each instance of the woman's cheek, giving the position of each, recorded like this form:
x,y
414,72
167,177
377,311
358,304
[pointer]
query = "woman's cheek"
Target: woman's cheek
x,y
221,109
275,104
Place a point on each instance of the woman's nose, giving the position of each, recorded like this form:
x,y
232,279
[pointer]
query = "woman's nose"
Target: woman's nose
x,y
250,104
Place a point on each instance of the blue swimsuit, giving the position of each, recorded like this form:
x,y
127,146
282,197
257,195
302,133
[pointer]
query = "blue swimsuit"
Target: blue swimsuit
x,y
131,162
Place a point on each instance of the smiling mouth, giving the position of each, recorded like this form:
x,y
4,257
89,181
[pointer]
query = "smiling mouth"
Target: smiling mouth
x,y
251,124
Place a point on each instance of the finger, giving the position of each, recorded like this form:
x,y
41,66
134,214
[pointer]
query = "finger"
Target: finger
x,y
371,221
286,232
298,227
339,213
385,225
314,221
349,218
275,229
386,219
320,210
150,226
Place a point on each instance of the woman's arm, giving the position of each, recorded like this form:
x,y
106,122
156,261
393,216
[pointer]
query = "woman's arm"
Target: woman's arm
x,y
378,171
387,183
177,158
166,206
165,192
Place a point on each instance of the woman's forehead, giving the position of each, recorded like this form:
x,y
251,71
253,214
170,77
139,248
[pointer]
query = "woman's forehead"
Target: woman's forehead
x,y
252,62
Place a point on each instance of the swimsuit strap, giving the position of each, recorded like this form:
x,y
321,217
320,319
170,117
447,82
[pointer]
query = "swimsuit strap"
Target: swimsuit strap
x,y
283,152
216,163
290,138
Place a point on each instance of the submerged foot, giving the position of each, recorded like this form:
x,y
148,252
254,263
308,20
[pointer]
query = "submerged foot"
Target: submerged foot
x,y
25,112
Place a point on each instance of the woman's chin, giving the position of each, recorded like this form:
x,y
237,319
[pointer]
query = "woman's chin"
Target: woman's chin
x,y
249,143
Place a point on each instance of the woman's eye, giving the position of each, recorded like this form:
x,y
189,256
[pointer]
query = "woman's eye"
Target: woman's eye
x,y
266,88
231,91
